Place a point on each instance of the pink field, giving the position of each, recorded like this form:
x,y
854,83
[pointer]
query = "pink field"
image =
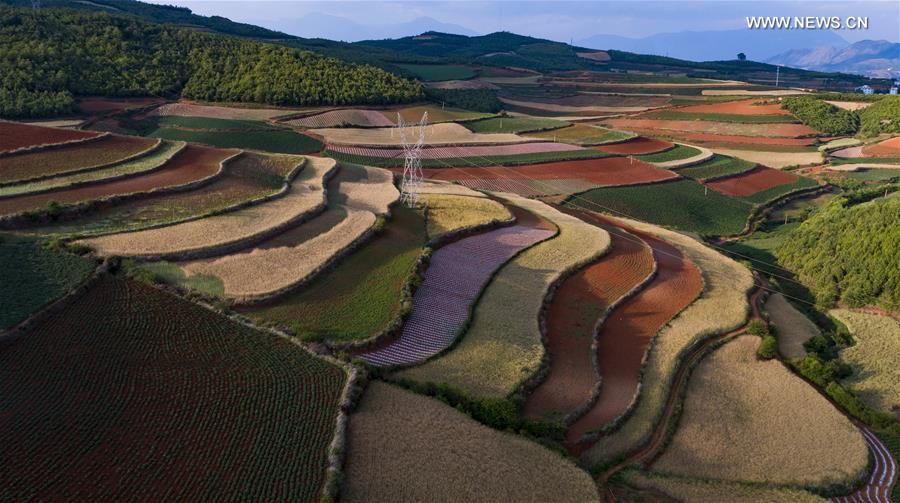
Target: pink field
x,y
456,274
337,118
450,151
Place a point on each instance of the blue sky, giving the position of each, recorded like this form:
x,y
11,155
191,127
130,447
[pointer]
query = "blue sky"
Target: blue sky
x,y
556,20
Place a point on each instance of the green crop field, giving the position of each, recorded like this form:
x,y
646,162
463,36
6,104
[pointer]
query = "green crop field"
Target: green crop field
x,y
582,134
361,295
677,153
514,125
34,276
718,166
698,116
482,161
681,204
432,73
764,196
278,141
163,397
874,175
205,123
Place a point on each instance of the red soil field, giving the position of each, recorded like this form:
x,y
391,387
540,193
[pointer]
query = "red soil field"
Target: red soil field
x,y
887,148
640,145
628,331
607,171
751,182
191,164
14,135
727,128
577,305
725,138
75,157
99,104
743,107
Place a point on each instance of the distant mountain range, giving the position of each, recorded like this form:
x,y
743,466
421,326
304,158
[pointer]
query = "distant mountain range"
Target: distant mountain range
x,y
318,25
873,58
758,45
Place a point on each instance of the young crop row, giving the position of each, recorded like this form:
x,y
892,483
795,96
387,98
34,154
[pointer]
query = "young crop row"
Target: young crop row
x,y
503,345
121,425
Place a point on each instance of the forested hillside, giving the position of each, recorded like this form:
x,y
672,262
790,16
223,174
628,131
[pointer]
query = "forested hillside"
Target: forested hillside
x,y
49,55
849,253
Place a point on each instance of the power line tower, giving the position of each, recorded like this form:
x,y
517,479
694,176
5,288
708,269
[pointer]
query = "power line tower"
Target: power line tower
x,y
412,160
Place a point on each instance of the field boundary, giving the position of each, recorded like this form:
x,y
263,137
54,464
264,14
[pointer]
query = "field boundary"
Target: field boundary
x,y
49,146
95,167
100,181
74,210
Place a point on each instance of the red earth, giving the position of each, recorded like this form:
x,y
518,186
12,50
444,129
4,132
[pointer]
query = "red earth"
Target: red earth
x,y
751,182
887,148
742,107
640,145
607,171
14,135
576,306
191,164
625,336
713,127
99,104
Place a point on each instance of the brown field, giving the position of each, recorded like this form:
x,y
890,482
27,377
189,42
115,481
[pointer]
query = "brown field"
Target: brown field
x,y
56,161
448,133
747,92
725,128
99,104
752,420
742,107
637,146
772,159
792,328
14,135
571,319
887,148
726,140
191,164
750,182
406,447
625,337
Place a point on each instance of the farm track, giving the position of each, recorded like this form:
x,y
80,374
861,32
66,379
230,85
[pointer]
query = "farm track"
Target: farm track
x,y
456,275
625,336
880,483
192,164
651,448
572,321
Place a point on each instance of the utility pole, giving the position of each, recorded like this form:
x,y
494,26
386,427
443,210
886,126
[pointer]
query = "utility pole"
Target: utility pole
x,y
777,74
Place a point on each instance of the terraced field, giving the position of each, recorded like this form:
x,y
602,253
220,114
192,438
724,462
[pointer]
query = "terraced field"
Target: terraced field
x,y
247,178
582,134
638,146
406,447
875,359
435,114
780,442
122,425
737,107
712,127
448,214
34,276
679,152
442,157
721,307
792,328
626,335
761,184
435,134
502,346
190,165
682,204
886,148
185,109
278,141
361,295
210,235
75,157
266,269
343,118
572,316
717,167
514,125
686,489
15,135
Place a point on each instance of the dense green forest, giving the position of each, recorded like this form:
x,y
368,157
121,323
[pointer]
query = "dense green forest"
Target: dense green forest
x,y
49,55
883,116
849,253
479,100
821,116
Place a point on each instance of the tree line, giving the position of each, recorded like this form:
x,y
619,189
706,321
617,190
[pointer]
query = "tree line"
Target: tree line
x,y
49,56
882,116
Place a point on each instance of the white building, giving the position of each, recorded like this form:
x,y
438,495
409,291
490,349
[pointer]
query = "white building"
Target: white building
x,y
866,89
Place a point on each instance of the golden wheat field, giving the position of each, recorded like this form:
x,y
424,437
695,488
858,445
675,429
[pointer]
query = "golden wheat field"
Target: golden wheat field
x,y
451,213
875,358
503,344
721,307
747,419
407,447
791,326
442,187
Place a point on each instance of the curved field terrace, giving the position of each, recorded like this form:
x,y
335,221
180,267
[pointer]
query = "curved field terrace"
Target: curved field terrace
x,y
571,320
341,118
738,141
447,152
455,276
193,163
627,333
750,182
636,146
740,107
728,128
887,148
15,135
